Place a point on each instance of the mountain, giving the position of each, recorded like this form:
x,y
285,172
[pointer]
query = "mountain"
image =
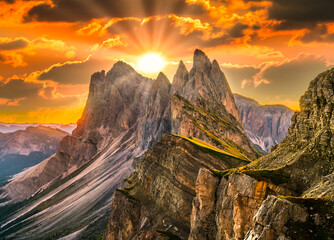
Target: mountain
x,y
184,188
265,125
25,148
12,127
69,194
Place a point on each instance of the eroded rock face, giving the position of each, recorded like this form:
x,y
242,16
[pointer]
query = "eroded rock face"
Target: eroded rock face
x,y
202,219
265,125
306,154
164,185
124,115
203,106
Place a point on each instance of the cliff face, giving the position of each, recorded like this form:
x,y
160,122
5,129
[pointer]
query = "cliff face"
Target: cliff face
x,y
157,198
124,115
203,106
160,191
287,194
306,154
265,125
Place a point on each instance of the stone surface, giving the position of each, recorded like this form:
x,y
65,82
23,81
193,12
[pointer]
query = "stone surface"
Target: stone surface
x,y
306,154
164,183
124,115
203,106
265,125
202,219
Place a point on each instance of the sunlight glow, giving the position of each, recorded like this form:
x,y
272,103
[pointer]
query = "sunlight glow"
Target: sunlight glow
x,y
151,63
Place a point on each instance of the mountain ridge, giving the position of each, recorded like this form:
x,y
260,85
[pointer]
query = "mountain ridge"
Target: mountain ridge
x,y
125,114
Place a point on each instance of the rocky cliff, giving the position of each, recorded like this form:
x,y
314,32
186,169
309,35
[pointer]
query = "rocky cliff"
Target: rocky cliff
x,y
287,194
69,194
71,191
203,106
265,125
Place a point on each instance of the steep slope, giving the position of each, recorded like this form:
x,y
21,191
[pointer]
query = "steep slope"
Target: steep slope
x,y
306,154
155,202
203,106
72,189
287,194
265,125
25,148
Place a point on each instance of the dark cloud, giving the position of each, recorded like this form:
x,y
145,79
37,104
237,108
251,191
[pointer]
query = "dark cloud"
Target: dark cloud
x,y
237,31
73,73
18,88
14,44
297,14
8,1
77,10
318,34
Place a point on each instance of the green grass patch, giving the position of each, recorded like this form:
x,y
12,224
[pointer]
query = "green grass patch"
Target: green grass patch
x,y
223,173
231,152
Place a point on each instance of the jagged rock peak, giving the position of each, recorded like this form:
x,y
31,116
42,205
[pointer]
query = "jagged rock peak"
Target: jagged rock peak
x,y
120,65
181,77
201,61
162,80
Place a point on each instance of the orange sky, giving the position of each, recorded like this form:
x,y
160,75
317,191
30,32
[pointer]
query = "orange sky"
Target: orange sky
x,y
269,50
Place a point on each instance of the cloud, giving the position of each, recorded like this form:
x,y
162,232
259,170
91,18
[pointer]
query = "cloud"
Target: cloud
x,y
277,81
9,44
297,14
76,10
320,33
18,88
73,72
13,59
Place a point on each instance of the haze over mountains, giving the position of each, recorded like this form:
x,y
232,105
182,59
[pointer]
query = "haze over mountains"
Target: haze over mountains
x,y
12,127
25,148
196,172
265,125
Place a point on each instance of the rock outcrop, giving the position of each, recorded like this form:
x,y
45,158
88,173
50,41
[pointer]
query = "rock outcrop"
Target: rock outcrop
x,y
287,194
124,115
162,189
203,106
265,125
163,185
306,154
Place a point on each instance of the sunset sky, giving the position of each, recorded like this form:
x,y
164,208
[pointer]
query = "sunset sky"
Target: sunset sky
x,y
269,50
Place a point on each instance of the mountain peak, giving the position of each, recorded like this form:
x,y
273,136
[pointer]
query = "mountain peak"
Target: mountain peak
x,y
201,61
120,65
180,78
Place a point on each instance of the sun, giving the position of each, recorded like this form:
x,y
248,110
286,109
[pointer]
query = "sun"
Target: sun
x,y
151,63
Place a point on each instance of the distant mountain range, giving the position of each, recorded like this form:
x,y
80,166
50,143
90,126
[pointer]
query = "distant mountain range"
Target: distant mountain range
x,y
25,148
12,127
265,125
